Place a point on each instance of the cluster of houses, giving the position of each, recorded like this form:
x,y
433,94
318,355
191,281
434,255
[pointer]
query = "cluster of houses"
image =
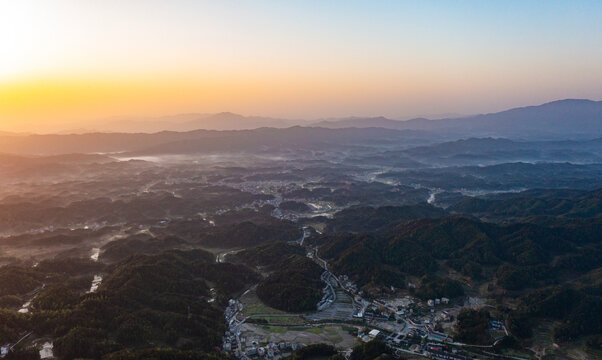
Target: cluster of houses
x,y
235,343
271,350
431,349
434,302
382,311
232,337
442,352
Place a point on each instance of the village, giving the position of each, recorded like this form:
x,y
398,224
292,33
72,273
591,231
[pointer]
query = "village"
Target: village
x,y
407,324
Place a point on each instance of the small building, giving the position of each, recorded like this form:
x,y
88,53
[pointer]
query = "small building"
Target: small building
x,y
445,300
496,324
374,333
4,350
430,302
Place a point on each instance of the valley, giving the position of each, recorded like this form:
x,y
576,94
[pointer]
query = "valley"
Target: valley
x,y
264,251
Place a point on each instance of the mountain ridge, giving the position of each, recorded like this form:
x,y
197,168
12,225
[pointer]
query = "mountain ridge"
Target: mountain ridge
x,y
513,122
546,120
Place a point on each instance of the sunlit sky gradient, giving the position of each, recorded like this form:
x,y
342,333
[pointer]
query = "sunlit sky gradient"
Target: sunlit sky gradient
x,y
67,62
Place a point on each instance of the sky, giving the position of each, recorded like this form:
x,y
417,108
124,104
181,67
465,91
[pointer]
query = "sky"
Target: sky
x,y
70,63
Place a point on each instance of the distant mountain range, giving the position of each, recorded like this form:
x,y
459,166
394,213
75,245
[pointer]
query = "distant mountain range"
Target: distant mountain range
x,y
364,122
189,122
569,118
205,141
564,120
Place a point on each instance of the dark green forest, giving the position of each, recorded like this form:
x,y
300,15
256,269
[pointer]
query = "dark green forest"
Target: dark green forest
x,y
294,283
144,301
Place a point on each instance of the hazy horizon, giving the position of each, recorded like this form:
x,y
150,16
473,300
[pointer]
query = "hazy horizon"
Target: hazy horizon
x,y
68,64
206,121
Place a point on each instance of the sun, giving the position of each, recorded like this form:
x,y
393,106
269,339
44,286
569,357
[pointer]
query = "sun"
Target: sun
x,y
21,23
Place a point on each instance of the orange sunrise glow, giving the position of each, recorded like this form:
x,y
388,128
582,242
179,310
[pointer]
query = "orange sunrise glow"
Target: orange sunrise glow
x,y
71,64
